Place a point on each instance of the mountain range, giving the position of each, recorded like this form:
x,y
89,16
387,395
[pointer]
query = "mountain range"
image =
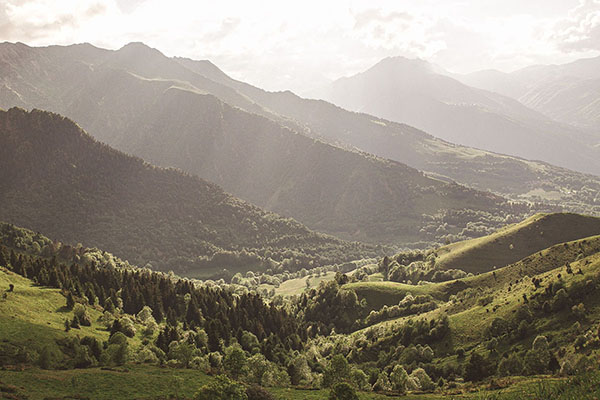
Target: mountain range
x,y
565,92
154,107
418,94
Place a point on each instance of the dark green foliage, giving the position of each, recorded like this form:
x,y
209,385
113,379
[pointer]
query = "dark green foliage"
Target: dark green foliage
x,y
328,305
221,388
510,365
255,392
46,358
338,371
274,330
342,391
235,362
70,301
477,368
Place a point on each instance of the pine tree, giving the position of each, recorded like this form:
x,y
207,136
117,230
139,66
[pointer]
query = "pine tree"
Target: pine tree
x,y
70,301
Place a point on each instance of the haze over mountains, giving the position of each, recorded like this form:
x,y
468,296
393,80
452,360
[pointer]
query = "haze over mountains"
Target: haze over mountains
x,y
513,177
421,95
144,103
323,273
567,92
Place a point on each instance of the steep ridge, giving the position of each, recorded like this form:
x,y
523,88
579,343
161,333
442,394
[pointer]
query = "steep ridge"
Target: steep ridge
x,y
57,78
56,179
172,122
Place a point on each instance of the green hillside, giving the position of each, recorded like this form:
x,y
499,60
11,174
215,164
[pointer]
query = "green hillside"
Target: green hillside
x,y
497,315
56,179
515,242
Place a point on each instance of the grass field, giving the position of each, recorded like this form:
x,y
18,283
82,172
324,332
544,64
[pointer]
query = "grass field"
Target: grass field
x,y
150,382
30,309
515,242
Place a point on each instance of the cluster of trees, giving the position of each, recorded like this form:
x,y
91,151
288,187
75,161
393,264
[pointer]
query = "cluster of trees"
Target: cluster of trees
x,y
413,267
328,308
175,302
453,225
408,306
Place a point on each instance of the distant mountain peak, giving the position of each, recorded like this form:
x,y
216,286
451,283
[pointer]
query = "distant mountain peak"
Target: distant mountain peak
x,y
140,49
401,63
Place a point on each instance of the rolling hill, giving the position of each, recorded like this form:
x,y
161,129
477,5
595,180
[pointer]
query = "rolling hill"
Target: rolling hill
x,y
173,116
56,179
415,93
515,242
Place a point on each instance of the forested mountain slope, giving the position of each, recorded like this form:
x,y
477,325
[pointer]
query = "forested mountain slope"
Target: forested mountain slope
x,y
177,119
56,179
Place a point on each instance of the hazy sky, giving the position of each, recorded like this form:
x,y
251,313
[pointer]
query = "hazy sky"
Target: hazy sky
x,y
280,44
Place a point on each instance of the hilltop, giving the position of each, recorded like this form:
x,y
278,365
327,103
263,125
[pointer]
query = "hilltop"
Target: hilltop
x,y
514,242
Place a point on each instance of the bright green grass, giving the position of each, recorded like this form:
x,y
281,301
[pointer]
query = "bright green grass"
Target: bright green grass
x,y
516,241
150,382
35,315
30,310
137,383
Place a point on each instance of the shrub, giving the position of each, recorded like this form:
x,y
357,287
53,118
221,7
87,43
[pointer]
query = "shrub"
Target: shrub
x,y
82,315
342,391
337,371
510,366
477,368
383,383
235,362
360,379
425,382
398,379
221,388
255,392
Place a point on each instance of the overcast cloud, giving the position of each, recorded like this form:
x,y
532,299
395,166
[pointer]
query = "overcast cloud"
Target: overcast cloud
x,y
295,45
